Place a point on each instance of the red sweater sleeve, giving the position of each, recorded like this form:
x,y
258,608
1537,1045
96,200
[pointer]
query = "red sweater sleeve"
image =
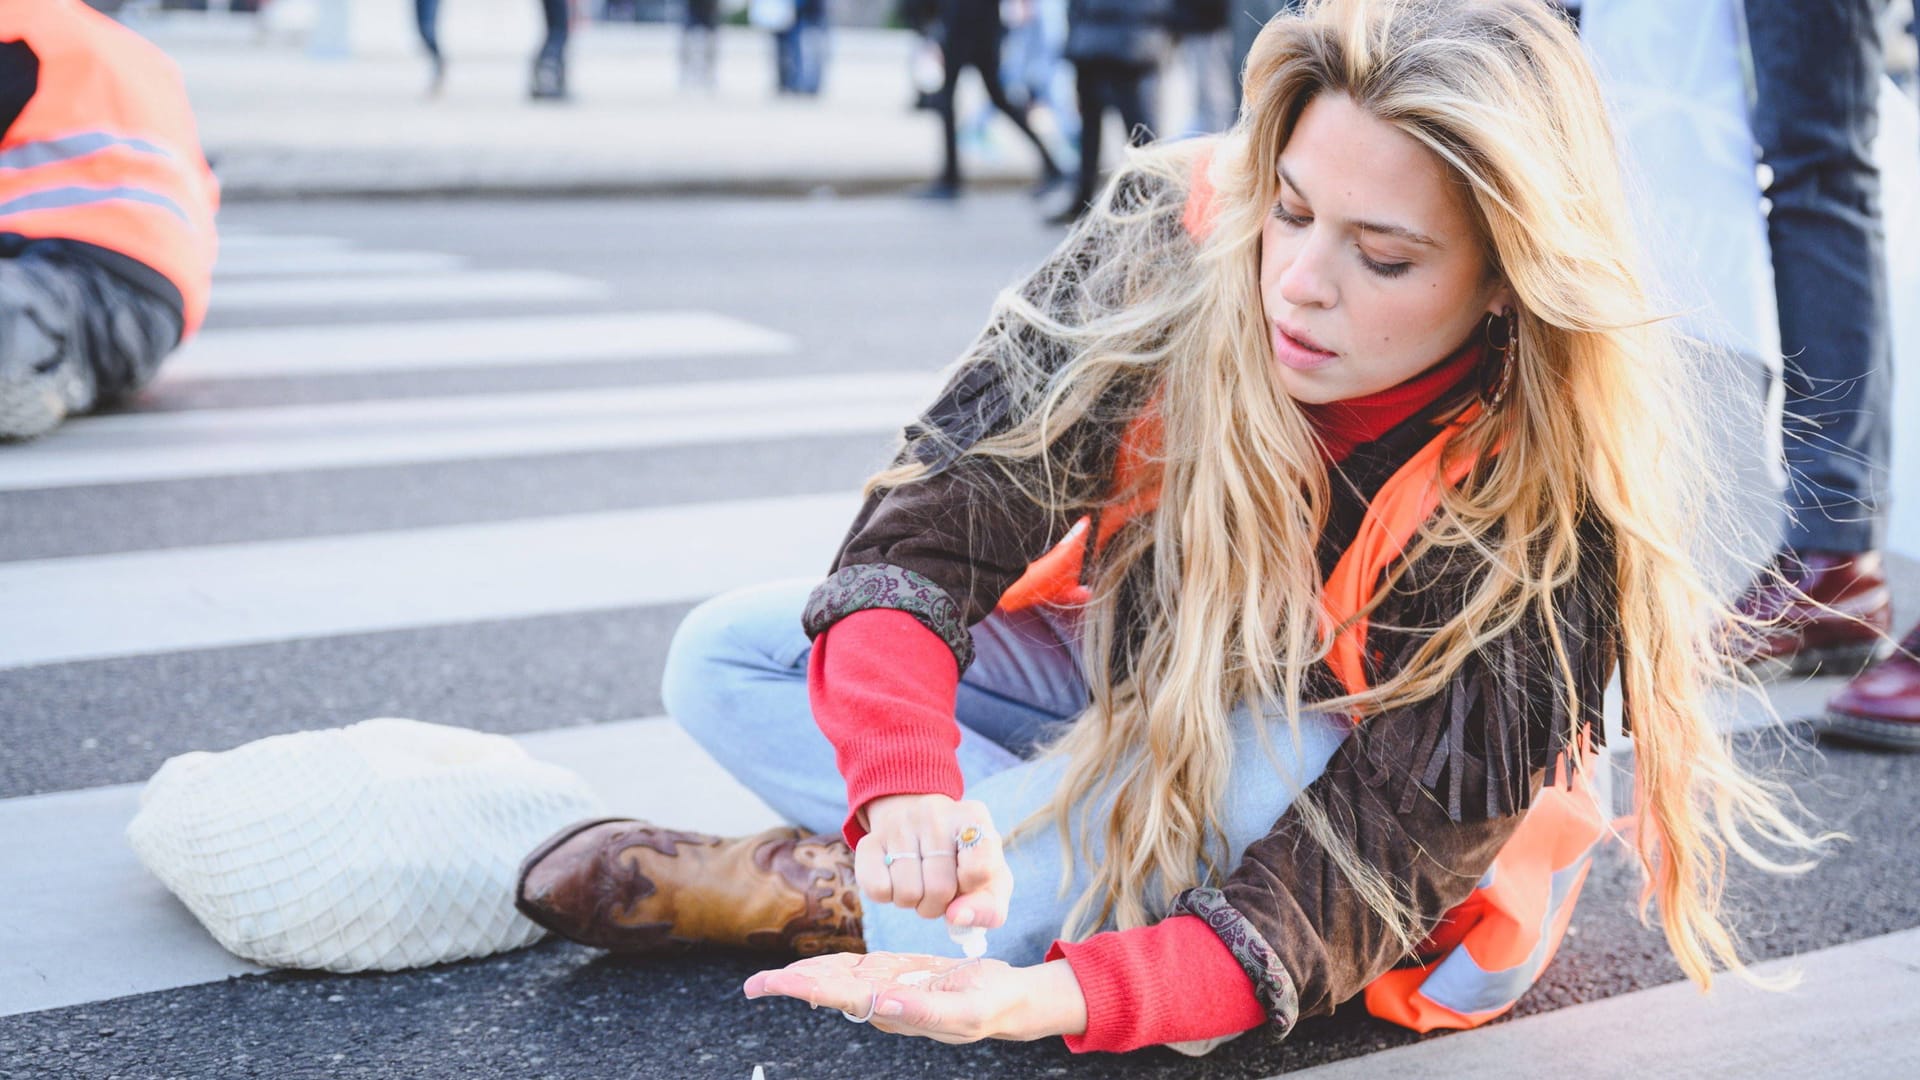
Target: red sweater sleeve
x,y
1140,986
883,688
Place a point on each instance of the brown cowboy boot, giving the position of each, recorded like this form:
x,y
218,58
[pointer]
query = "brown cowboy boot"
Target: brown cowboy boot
x,y
624,885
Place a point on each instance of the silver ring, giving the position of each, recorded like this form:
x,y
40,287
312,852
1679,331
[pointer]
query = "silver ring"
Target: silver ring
x,y
892,857
872,1003
939,854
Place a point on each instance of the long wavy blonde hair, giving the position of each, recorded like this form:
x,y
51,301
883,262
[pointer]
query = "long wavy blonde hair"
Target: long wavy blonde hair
x,y
1213,600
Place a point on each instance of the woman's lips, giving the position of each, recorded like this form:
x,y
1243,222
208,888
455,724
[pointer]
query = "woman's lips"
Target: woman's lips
x,y
1297,354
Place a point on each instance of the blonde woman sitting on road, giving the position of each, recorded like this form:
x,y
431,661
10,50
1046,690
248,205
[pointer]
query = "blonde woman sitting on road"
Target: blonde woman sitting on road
x,y
1260,571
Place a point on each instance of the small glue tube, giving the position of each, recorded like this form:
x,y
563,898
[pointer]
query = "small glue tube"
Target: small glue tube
x,y
971,939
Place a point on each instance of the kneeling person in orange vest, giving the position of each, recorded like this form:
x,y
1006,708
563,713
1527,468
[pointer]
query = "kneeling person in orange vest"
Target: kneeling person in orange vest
x,y
106,213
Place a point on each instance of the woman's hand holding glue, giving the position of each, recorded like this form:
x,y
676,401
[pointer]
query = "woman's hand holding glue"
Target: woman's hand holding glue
x,y
940,858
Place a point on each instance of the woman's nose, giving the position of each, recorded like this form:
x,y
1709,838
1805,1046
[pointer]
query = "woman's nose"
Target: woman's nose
x,y
1304,282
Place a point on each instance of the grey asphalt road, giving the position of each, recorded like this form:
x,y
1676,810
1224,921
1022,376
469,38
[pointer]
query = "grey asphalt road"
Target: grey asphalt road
x,y
559,1010
864,286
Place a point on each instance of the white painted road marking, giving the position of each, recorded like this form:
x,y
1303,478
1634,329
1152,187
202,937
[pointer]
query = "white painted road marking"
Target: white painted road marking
x,y
232,239
462,287
139,603
1852,1016
362,347
82,921
236,442
270,263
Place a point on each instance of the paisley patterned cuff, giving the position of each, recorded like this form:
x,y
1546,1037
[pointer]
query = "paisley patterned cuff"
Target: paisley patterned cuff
x,y
878,585
1271,982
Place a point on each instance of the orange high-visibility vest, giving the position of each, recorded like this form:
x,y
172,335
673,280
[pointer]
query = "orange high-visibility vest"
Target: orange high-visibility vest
x,y
106,151
1492,946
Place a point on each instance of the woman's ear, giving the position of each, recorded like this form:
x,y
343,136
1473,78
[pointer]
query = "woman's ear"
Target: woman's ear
x,y
1502,302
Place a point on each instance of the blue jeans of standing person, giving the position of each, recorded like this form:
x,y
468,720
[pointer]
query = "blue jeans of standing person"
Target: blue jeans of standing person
x,y
800,51
553,47
426,17
1818,64
736,680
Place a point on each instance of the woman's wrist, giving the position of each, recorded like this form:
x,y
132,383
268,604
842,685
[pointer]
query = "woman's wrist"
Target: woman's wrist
x,y
892,804
1051,1005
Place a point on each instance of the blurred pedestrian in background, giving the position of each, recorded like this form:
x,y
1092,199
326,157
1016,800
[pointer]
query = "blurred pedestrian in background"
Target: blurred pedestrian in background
x,y
1817,66
700,45
426,16
1034,78
776,17
799,29
1903,51
1206,50
970,38
550,64
925,70
1116,47
1245,18
106,213
1052,78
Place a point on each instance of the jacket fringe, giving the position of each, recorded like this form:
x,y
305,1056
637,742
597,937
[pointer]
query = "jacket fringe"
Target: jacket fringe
x,y
1503,718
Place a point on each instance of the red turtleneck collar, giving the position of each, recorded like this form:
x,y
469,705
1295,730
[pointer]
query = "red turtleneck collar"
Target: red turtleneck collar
x,y
1343,425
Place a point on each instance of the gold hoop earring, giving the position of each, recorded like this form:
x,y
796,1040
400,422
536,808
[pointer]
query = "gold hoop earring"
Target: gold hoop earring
x,y
1494,384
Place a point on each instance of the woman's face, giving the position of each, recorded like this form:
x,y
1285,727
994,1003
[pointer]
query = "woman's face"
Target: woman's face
x,y
1370,268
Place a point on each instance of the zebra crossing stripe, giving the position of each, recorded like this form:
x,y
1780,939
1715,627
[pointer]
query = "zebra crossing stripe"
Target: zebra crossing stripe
x,y
1851,1015
83,921
235,442
237,239
361,348
271,263
141,603
463,287
50,954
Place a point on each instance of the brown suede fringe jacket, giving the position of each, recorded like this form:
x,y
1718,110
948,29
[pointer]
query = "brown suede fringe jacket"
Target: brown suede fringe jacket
x,y
1427,793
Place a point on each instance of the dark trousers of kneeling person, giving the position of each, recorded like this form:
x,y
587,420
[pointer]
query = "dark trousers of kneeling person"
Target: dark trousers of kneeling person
x,y
1127,89
962,51
79,326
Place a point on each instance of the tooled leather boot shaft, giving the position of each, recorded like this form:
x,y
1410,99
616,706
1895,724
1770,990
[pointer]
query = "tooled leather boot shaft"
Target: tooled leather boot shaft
x,y
820,869
633,887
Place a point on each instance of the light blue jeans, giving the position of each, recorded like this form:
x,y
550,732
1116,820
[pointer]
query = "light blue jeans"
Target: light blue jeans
x,y
736,680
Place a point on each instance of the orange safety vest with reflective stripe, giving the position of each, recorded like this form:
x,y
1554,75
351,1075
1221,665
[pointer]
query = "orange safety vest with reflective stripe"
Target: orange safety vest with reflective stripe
x,y
106,152
1493,945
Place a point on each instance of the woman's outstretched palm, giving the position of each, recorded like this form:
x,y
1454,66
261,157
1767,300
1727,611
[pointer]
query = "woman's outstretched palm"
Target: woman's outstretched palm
x,y
936,997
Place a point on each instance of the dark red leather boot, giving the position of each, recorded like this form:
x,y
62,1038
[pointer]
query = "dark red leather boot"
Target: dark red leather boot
x,y
1881,706
1831,614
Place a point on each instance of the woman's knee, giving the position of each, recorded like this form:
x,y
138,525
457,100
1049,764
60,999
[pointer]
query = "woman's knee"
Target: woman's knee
x,y
727,644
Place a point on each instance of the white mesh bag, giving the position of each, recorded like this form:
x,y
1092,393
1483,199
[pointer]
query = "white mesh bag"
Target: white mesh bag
x,y
388,844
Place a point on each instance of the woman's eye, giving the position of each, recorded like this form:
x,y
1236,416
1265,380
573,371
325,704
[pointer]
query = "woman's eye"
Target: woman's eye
x,y
1388,270
1296,220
